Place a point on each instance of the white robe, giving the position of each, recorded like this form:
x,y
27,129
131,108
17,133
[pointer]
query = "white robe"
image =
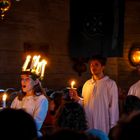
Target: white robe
x,y
135,89
100,100
36,106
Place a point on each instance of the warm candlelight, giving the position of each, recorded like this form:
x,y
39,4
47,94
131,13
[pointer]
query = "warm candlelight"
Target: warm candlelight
x,y
38,69
136,57
43,67
26,63
37,66
72,84
35,62
4,97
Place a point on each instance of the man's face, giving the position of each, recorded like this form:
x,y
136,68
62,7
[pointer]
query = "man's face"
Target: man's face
x,y
96,68
27,83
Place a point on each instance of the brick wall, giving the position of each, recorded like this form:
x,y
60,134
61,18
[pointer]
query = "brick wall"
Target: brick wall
x,y
127,74
46,22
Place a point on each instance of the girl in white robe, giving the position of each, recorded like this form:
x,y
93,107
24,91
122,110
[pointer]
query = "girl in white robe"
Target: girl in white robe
x,y
32,99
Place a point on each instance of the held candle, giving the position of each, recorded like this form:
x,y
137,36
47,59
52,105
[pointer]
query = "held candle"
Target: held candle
x,y
4,97
72,84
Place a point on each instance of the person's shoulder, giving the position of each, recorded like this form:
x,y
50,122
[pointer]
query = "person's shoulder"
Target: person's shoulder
x,y
110,82
41,98
89,81
108,79
134,89
136,83
15,99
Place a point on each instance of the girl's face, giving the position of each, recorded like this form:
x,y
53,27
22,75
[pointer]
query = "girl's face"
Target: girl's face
x,y
27,83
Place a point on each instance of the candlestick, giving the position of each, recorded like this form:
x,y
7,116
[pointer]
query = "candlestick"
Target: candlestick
x,y
4,97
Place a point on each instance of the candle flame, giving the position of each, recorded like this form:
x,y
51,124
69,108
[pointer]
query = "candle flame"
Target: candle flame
x,y
72,84
26,62
44,63
4,97
37,67
35,62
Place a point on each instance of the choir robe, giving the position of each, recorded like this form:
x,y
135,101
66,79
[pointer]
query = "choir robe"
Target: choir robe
x,y
135,89
100,101
36,106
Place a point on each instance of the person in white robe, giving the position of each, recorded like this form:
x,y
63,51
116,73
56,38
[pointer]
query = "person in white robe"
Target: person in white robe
x,y
100,97
32,99
135,89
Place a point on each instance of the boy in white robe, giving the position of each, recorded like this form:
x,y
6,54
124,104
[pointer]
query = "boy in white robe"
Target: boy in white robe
x,y
100,97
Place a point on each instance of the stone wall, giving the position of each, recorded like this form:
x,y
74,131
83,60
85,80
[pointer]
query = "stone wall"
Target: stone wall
x,y
128,74
37,22
46,22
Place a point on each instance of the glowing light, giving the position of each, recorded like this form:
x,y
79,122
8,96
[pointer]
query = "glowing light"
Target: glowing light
x,y
4,97
37,67
26,63
35,62
4,7
136,57
44,62
72,84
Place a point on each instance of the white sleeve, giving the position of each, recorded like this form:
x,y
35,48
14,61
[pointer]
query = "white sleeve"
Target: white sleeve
x,y
114,105
14,102
131,91
40,113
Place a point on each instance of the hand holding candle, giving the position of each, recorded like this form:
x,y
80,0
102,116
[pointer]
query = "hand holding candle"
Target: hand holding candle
x,y
4,97
72,90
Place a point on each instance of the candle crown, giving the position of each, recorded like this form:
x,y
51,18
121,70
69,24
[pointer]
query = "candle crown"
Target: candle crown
x,y
33,65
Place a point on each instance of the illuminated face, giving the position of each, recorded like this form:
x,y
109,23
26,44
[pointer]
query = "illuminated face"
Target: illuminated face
x,y
96,67
27,83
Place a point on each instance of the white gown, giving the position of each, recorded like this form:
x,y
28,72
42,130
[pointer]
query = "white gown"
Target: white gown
x,y
135,89
100,100
36,106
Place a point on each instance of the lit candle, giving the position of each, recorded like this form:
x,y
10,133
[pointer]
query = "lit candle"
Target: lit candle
x,y
26,63
4,97
35,62
38,69
72,87
72,84
43,67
